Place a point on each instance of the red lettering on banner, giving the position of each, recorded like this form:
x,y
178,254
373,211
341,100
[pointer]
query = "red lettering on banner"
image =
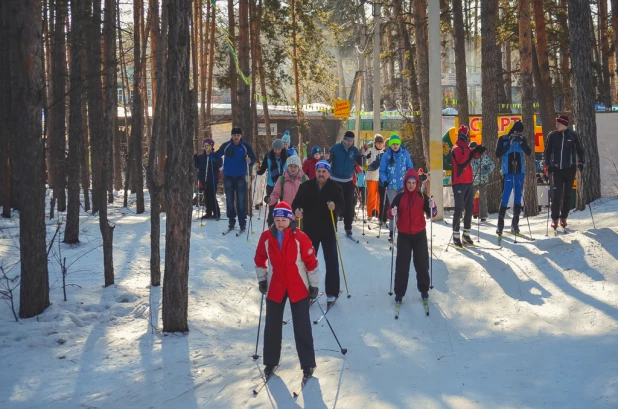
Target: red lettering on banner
x,y
474,124
504,122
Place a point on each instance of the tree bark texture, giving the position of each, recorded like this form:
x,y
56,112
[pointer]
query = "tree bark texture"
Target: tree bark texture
x,y
461,87
84,159
422,61
605,95
525,52
564,58
156,156
5,112
545,90
615,31
27,91
76,129
111,100
233,75
244,91
137,126
178,171
589,186
57,127
489,70
262,72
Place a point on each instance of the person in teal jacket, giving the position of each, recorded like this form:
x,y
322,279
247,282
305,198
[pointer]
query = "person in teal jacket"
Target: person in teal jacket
x,y
394,164
481,168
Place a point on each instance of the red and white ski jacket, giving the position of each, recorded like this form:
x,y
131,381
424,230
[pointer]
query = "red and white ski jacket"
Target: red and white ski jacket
x,y
293,268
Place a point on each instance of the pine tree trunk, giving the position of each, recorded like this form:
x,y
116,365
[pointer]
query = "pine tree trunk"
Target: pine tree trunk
x,y
57,127
244,92
76,128
525,52
156,158
489,73
565,59
615,31
211,67
262,72
137,128
589,186
178,175
501,90
232,73
26,85
204,38
605,94
422,61
111,99
545,93
5,112
84,163
508,77
460,63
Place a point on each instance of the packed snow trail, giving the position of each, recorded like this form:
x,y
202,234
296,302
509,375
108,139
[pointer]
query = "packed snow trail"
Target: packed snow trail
x,y
534,324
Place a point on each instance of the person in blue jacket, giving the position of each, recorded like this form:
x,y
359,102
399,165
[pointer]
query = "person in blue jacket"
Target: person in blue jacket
x,y
343,157
208,167
274,164
287,142
394,164
511,148
239,157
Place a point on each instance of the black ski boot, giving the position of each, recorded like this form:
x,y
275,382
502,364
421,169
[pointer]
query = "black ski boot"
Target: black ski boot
x,y
308,372
390,236
515,223
501,215
456,239
268,370
466,237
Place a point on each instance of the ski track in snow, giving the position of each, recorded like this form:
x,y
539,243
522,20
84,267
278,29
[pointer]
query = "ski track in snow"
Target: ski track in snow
x,y
533,325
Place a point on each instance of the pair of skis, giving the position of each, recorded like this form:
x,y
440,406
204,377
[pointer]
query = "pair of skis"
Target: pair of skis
x,y
313,301
425,307
265,380
240,232
520,235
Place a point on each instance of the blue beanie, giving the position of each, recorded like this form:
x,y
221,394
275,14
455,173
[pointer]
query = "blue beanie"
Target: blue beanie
x,y
316,149
323,165
286,137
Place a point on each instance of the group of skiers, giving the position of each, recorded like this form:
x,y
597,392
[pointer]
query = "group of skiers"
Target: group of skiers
x,y
306,199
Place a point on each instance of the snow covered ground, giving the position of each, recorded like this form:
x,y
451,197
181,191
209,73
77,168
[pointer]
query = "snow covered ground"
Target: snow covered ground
x,y
533,325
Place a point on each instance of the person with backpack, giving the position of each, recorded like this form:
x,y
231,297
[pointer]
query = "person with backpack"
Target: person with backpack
x,y
409,209
287,144
462,156
287,186
564,154
481,168
511,148
208,168
239,157
273,165
394,164
309,163
287,267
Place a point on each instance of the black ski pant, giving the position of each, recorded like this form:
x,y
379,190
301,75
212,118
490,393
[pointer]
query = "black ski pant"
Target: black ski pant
x,y
329,249
464,203
348,198
302,332
412,246
210,197
271,207
561,196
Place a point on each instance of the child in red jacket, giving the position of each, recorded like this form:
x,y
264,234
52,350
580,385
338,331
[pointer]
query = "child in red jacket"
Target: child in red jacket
x,y
293,273
408,208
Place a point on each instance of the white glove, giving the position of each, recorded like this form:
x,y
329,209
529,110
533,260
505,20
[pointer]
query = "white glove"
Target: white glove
x,y
432,204
394,211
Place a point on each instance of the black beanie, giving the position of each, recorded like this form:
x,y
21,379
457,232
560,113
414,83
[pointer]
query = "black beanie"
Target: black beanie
x,y
236,131
563,119
518,127
348,135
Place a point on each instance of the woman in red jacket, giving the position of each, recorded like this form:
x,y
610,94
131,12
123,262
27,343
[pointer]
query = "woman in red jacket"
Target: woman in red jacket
x,y
293,273
309,163
408,208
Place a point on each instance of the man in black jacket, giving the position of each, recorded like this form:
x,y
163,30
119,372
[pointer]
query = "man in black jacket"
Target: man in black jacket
x,y
315,200
561,149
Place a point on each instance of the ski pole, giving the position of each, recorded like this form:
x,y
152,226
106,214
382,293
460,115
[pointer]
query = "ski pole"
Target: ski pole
x,y
590,208
390,289
343,350
332,215
256,356
206,185
478,217
250,204
524,210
